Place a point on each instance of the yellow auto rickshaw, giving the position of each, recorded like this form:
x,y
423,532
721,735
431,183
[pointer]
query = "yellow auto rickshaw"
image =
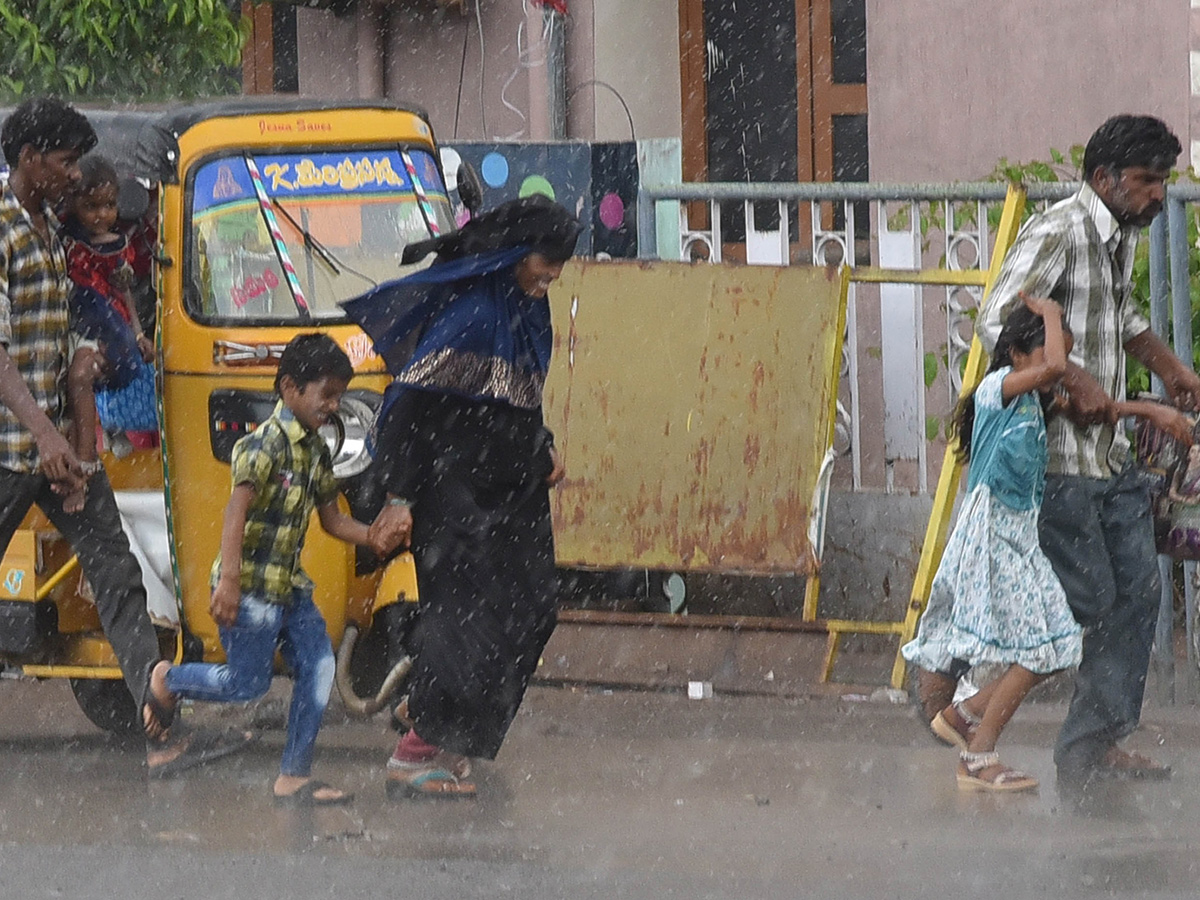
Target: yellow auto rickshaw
x,y
269,212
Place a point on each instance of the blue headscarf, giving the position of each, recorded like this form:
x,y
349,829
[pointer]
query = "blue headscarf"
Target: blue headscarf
x,y
463,326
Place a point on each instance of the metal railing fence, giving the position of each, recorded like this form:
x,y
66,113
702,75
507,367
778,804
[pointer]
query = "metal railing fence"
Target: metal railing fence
x,y
822,224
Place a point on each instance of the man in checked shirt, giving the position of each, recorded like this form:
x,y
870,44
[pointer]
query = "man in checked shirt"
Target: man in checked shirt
x,y
42,141
1095,523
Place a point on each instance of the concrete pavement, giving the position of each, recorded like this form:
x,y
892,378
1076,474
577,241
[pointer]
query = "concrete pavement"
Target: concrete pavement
x,y
597,794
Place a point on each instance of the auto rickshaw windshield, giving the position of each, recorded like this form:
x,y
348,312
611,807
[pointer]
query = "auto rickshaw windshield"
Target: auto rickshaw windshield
x,y
280,238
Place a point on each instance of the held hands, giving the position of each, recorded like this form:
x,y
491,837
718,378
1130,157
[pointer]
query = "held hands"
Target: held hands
x,y
226,598
60,464
392,528
1183,386
1088,404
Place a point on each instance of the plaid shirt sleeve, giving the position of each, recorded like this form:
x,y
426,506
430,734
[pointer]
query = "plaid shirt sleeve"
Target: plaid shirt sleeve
x,y
6,329
1035,264
325,487
252,464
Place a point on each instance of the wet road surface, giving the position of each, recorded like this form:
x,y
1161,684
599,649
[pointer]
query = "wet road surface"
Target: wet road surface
x,y
596,795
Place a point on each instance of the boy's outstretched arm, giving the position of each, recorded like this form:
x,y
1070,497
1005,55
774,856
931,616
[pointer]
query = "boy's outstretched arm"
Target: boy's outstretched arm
x,y
227,595
348,529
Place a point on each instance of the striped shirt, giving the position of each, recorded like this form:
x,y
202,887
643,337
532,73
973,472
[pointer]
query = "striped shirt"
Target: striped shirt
x,y
1077,254
291,472
33,323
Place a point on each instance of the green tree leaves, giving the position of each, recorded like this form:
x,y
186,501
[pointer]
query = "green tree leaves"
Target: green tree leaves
x,y
118,49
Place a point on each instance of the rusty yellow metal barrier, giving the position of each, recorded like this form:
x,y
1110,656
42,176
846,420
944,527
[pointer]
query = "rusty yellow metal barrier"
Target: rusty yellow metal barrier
x,y
694,407
947,487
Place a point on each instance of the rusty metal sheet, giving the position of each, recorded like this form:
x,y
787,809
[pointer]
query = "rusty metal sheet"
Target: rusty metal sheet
x,y
693,405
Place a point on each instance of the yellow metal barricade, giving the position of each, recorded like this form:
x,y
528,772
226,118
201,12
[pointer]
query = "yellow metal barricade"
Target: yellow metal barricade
x,y
947,487
694,407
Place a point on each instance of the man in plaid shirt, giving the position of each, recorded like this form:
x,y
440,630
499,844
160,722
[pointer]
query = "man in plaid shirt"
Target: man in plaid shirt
x,y
42,141
1095,523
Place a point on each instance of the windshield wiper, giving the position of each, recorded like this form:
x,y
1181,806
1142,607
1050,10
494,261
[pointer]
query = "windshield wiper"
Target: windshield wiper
x,y
311,244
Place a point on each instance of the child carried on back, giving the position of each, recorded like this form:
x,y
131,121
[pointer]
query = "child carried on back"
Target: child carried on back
x,y
110,349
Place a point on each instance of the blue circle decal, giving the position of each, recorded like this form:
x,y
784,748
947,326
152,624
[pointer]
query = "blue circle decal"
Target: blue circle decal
x,y
495,170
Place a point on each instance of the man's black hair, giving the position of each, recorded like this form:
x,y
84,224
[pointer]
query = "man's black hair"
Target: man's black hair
x,y
48,124
311,357
1127,140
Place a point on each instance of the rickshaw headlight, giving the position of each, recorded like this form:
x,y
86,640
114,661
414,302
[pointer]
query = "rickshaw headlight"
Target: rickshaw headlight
x,y
346,433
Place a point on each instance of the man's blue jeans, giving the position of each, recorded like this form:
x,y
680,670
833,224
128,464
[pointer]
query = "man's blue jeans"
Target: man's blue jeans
x,y
299,632
1099,536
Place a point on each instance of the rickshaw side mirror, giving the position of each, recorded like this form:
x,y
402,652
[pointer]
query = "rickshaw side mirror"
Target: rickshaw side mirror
x,y
132,200
470,188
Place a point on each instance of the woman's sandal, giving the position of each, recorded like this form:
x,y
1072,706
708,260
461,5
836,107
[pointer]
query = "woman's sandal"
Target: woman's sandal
x,y
427,779
954,726
455,763
971,777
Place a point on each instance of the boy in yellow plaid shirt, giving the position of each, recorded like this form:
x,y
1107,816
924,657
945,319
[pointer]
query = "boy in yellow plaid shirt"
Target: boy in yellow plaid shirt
x,y
262,598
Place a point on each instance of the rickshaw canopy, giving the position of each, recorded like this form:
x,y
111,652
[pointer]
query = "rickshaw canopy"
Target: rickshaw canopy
x,y
143,142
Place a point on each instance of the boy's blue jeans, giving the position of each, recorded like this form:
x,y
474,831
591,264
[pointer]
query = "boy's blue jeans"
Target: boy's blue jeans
x,y
299,632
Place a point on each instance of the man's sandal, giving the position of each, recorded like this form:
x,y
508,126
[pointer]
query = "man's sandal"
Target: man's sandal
x,y
161,717
1119,763
973,766
954,726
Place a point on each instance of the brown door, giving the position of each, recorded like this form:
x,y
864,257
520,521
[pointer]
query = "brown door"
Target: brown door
x,y
773,90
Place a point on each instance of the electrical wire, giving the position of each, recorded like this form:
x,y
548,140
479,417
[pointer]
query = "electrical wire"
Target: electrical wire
x,y
482,60
595,82
462,71
524,61
520,132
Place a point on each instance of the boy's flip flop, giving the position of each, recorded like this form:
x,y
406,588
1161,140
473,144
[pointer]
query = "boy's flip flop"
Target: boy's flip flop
x,y
306,795
201,747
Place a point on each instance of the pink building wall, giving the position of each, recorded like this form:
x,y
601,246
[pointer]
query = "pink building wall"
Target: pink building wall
x,y
424,53
953,85
625,47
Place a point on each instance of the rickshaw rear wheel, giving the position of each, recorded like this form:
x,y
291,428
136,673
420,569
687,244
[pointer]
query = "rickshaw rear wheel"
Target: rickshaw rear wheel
x,y
380,647
108,705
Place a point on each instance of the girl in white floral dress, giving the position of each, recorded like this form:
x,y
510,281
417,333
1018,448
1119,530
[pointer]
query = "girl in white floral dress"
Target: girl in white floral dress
x,y
995,598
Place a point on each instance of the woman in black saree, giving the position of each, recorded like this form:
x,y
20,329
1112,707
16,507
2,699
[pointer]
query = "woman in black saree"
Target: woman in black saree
x,y
462,449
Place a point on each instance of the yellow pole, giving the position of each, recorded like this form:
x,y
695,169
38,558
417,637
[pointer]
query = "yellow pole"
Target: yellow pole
x,y
947,487
56,579
813,586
